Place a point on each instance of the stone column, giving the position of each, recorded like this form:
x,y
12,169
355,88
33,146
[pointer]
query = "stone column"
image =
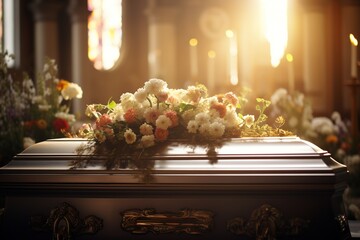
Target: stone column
x,y
79,48
162,42
45,14
315,57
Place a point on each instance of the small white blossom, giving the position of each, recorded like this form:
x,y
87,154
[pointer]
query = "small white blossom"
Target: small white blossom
x,y
72,91
140,95
146,129
202,118
216,129
147,141
129,136
192,126
249,120
154,86
163,122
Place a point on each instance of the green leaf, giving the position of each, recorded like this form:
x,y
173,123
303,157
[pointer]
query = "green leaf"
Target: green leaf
x,y
111,105
185,107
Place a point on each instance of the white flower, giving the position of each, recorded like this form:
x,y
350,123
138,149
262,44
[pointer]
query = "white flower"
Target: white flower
x,y
27,142
204,129
323,125
146,129
163,122
279,94
129,136
147,141
231,119
47,76
216,129
44,107
118,113
154,86
162,96
71,91
192,126
140,95
202,118
249,120
151,115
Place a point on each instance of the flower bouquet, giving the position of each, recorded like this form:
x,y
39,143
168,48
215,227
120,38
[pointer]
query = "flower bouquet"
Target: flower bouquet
x,y
31,113
154,116
48,108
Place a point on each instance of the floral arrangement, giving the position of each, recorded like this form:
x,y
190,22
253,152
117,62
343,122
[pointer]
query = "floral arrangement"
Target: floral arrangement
x,y
11,112
32,112
48,105
330,133
155,115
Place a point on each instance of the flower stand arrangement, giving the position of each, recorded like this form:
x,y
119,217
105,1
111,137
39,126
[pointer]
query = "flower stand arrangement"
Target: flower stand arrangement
x,y
33,111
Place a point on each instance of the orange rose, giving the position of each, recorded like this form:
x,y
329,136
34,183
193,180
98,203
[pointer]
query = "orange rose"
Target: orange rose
x,y
62,84
161,134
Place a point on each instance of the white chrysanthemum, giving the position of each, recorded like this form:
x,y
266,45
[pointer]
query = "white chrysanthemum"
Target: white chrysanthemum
x,y
202,118
27,142
130,136
146,129
140,95
163,122
216,129
213,114
323,125
192,126
118,113
72,90
67,116
231,119
154,86
125,97
204,129
249,120
147,141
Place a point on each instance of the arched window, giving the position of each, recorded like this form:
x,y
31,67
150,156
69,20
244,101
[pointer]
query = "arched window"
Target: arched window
x,y
104,33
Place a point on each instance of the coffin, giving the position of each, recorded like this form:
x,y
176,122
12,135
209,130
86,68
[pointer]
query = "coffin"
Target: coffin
x,y
252,188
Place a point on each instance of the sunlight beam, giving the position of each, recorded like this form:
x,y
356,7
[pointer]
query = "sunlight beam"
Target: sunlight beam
x,y
275,22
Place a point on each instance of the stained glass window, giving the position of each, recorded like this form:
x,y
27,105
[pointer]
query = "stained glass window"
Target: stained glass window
x,y
104,33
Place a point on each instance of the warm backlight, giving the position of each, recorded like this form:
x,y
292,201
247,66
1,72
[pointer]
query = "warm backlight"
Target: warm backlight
x,y
275,23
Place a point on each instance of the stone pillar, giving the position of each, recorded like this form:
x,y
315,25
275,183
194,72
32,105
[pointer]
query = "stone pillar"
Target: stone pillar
x,y
79,48
46,14
315,57
162,42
